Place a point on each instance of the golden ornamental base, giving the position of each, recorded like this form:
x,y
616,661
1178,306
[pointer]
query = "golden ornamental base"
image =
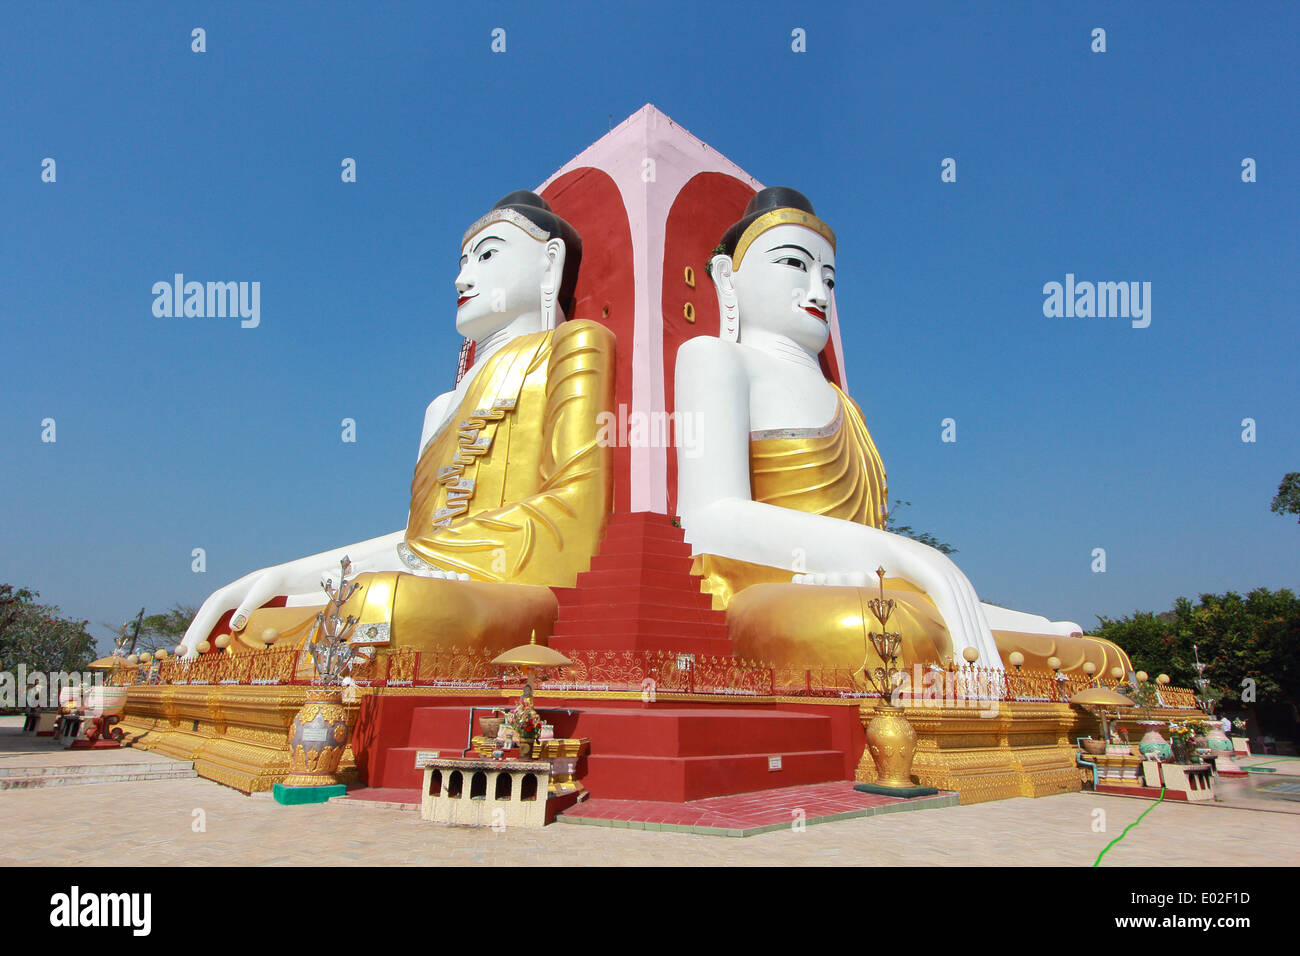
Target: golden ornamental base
x,y
993,751
317,738
891,741
236,735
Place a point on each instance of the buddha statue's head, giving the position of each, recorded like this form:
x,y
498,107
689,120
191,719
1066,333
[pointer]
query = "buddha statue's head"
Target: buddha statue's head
x,y
518,262
774,271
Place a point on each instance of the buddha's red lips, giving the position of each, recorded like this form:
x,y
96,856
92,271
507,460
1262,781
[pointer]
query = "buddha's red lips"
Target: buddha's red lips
x,y
465,298
817,312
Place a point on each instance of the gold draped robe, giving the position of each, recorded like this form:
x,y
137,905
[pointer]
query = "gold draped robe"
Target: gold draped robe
x,y
836,471
513,490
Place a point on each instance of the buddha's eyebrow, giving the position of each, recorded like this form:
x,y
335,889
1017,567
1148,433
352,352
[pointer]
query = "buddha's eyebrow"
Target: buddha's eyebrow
x,y
485,239
791,245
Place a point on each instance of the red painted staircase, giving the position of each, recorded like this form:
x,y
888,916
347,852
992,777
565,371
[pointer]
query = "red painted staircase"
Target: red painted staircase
x,y
640,595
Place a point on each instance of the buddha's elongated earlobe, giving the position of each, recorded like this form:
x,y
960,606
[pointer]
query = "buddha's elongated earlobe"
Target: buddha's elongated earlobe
x,y
551,280
728,306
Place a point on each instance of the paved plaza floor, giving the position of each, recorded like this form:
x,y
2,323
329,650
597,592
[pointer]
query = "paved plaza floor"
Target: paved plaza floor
x,y
195,822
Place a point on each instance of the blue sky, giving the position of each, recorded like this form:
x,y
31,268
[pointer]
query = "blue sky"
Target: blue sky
x,y
1073,434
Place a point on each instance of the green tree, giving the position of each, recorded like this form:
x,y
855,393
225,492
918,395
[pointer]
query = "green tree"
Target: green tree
x,y
907,531
40,638
12,604
159,631
1253,638
164,631
1287,499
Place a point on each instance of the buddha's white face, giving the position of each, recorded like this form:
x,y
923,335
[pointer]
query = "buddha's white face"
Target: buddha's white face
x,y
784,285
502,269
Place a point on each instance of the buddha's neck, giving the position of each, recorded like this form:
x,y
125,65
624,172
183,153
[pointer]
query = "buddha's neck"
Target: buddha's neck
x,y
523,324
779,346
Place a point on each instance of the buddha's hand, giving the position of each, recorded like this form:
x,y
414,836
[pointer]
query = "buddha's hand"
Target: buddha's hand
x,y
249,593
942,581
298,580
218,603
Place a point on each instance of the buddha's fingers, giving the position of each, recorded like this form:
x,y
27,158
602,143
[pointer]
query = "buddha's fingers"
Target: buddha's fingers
x,y
975,630
269,583
204,621
217,604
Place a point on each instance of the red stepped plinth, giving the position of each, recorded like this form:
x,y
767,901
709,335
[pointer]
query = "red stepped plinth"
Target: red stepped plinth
x,y
640,595
690,752
664,751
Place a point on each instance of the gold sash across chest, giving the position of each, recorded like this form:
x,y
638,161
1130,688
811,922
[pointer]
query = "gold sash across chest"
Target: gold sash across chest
x,y
515,486
834,470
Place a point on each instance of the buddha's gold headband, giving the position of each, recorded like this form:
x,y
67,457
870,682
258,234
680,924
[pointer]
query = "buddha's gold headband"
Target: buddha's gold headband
x,y
510,216
779,217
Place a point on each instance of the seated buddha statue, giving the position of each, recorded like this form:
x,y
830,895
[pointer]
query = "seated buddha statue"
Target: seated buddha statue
x,y
783,496
511,487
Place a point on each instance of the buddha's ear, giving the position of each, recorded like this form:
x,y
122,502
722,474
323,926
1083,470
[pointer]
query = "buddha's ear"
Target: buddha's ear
x,y
724,281
551,280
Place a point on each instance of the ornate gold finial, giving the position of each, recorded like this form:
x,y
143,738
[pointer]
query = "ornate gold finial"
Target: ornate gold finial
x,y
885,642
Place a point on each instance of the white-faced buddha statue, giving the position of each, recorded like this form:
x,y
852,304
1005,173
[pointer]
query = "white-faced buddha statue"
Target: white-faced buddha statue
x,y
783,497
511,488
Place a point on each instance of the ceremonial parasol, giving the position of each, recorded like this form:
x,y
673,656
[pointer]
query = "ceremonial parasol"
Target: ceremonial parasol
x,y
530,655
1101,697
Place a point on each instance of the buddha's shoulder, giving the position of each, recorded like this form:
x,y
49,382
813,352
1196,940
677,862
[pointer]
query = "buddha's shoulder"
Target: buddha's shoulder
x,y
709,348
583,334
711,353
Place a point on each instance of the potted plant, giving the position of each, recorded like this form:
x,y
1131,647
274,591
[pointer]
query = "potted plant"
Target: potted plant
x,y
1200,731
1180,740
527,725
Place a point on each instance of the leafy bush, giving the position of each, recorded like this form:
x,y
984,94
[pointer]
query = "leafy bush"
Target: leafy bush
x,y
1255,638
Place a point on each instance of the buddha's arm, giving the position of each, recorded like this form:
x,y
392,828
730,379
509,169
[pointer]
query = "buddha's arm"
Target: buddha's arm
x,y
714,497
1005,619
550,535
720,516
433,417
296,579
